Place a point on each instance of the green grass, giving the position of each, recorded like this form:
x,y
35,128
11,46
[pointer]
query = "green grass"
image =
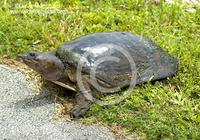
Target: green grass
x,y
168,109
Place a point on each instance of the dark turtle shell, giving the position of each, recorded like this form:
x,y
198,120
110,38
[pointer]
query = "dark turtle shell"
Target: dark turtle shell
x,y
108,54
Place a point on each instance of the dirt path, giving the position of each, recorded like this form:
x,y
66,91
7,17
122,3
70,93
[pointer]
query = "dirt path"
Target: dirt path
x,y
21,118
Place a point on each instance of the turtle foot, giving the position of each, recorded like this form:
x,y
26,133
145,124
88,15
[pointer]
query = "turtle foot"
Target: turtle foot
x,y
78,112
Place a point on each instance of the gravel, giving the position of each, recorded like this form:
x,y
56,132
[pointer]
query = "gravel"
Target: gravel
x,y
21,118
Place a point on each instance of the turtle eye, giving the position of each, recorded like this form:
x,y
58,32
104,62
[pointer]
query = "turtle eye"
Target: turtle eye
x,y
32,54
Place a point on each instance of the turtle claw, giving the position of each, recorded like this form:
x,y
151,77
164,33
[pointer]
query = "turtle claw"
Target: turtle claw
x,y
78,112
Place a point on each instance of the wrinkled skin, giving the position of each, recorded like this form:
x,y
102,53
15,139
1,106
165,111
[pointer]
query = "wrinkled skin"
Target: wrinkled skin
x,y
51,68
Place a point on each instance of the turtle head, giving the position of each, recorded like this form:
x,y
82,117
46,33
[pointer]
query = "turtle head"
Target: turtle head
x,y
48,65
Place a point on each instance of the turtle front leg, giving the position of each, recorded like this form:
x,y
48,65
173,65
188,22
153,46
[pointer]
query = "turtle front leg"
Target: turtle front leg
x,y
83,99
82,106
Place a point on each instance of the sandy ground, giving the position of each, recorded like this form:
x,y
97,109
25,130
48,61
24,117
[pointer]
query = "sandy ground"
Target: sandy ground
x,y
21,118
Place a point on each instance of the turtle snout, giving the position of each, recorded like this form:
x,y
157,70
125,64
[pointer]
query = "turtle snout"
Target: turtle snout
x,y
29,54
22,55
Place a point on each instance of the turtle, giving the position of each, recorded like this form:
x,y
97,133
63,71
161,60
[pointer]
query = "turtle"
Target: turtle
x,y
103,57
